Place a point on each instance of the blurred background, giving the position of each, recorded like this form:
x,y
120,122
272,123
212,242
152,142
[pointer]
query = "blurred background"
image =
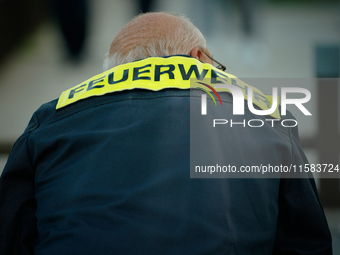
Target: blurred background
x,y
50,46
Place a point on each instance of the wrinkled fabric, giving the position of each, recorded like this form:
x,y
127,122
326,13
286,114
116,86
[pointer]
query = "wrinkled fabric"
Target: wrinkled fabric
x,y
110,175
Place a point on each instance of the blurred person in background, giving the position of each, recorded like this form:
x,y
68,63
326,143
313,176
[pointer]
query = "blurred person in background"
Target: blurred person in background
x,y
72,19
145,6
104,169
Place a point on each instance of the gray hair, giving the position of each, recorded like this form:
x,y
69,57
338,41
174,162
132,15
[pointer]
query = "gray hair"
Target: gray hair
x,y
184,39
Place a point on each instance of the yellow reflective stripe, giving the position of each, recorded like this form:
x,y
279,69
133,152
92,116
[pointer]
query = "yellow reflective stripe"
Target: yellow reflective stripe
x,y
155,74
140,74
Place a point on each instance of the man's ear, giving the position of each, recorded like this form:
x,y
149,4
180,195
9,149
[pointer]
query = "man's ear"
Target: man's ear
x,y
197,53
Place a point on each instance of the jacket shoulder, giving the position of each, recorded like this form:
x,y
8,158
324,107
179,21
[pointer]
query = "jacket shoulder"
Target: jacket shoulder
x,y
43,114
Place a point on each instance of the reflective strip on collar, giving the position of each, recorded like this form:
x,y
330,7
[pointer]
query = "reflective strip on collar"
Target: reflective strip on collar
x,y
157,73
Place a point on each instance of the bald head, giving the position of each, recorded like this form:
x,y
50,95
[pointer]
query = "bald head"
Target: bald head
x,y
145,30
152,35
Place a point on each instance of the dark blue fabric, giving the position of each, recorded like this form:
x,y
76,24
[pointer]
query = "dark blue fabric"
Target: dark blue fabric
x,y
110,175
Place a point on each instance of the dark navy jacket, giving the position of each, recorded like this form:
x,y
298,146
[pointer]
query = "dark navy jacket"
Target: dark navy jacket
x,y
110,175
